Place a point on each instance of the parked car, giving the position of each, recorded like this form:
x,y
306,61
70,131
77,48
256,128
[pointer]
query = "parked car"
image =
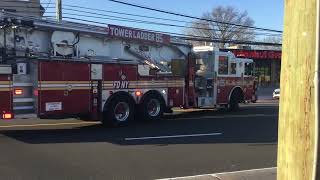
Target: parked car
x,y
276,94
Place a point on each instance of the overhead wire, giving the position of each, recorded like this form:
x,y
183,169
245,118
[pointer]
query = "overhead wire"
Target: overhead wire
x,y
155,31
193,38
176,35
130,14
110,17
48,5
142,21
192,17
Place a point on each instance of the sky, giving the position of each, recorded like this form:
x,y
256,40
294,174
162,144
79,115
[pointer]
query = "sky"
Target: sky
x,y
265,13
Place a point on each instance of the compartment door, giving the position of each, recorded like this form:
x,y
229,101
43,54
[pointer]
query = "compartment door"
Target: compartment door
x,y
5,90
64,88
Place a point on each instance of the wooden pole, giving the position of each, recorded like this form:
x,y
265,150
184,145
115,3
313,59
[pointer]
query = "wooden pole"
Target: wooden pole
x,y
297,140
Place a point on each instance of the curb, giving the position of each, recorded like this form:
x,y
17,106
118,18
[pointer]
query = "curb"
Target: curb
x,y
253,174
267,100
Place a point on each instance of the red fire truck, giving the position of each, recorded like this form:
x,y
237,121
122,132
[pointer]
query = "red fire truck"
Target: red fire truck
x,y
114,74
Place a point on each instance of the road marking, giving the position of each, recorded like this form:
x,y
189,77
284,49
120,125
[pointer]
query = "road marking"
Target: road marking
x,y
172,136
227,116
39,125
249,170
219,174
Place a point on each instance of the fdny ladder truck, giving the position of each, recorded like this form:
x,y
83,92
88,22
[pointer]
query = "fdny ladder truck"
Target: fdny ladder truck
x,y
113,73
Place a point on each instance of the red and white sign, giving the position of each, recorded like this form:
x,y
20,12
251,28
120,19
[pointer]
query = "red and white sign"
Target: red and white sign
x,y
257,54
134,34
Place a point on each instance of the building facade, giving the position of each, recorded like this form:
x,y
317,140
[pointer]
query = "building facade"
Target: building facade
x,y
23,7
267,64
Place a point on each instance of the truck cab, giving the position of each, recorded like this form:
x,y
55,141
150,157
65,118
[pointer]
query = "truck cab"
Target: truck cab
x,y
222,79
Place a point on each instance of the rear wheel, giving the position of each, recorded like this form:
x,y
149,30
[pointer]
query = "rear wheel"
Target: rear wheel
x,y
255,99
119,112
151,107
234,101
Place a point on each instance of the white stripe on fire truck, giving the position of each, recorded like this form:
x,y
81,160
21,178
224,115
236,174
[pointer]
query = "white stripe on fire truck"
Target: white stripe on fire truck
x,y
57,88
149,85
110,82
64,82
5,89
64,85
147,82
155,81
5,86
5,82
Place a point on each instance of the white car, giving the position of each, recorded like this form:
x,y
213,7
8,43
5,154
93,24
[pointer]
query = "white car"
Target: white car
x,y
276,94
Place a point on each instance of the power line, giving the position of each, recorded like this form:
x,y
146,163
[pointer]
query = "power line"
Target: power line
x,y
87,26
192,17
194,38
48,5
130,14
101,23
184,37
231,41
146,22
163,32
53,22
103,16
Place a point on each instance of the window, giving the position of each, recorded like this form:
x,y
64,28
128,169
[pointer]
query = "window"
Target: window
x,y
223,65
248,69
233,68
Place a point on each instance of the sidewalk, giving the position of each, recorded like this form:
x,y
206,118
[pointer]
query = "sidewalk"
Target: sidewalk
x,y
254,174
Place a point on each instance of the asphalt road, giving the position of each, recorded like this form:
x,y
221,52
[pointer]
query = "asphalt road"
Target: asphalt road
x,y
182,145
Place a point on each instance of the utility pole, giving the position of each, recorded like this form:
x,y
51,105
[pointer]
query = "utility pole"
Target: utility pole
x,y
298,117
59,10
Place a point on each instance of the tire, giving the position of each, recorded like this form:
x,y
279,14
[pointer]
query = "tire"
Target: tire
x,y
234,101
151,108
255,100
118,112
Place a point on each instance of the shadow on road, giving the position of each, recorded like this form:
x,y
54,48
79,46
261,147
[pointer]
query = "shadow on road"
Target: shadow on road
x,y
252,129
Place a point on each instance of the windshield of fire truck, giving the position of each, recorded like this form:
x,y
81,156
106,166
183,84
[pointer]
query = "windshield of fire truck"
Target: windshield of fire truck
x,y
205,64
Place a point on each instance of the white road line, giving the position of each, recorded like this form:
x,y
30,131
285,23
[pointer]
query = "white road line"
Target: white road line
x,y
249,170
219,174
227,116
55,124
172,136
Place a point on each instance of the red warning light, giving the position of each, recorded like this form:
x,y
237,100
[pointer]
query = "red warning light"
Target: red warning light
x,y
138,93
7,116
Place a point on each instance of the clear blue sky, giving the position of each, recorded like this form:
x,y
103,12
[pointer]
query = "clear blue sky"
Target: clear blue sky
x,y
265,13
